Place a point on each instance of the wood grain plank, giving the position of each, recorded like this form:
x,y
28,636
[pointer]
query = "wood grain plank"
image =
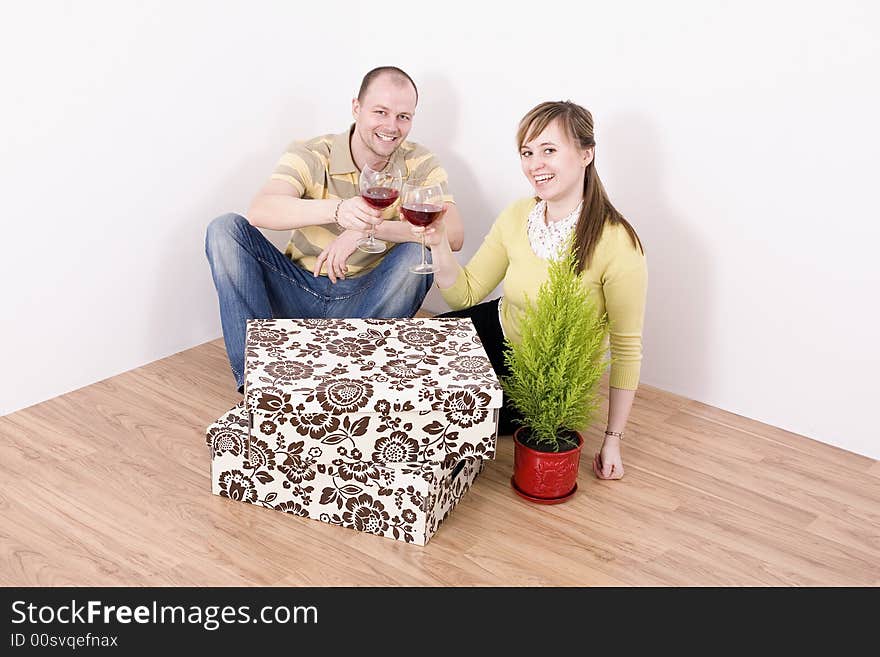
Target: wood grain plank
x,y
109,486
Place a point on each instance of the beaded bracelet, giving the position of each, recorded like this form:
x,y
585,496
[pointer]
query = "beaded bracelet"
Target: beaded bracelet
x,y
336,214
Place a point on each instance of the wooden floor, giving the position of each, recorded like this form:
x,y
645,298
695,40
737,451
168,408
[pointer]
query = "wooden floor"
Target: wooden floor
x,y
109,486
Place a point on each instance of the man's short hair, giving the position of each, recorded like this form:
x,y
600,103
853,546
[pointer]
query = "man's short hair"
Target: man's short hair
x,y
398,73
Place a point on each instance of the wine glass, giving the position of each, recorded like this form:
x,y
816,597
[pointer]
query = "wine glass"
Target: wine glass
x,y
421,205
379,186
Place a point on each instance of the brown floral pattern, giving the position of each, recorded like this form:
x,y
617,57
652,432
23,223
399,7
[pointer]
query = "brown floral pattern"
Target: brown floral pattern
x,y
315,425
270,401
225,439
297,469
470,364
236,485
361,471
397,447
464,408
406,501
259,456
355,385
402,359
342,409
366,515
266,336
321,324
288,370
421,336
400,369
351,347
344,395
294,508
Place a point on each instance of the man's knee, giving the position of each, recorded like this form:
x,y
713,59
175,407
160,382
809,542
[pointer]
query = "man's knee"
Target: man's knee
x,y
410,292
222,231
407,255
400,259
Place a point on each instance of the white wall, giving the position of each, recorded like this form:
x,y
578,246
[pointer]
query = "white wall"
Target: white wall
x,y
126,127
737,137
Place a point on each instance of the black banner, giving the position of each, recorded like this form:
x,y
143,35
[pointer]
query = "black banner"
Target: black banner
x,y
406,620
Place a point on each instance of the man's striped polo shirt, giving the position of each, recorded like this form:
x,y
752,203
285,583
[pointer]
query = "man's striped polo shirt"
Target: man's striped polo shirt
x,y
323,168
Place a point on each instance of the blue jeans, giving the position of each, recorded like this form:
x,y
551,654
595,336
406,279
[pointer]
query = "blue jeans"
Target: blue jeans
x,y
254,280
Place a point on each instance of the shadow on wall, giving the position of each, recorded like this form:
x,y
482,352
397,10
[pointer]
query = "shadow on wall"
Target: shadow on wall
x,y
436,128
183,279
679,316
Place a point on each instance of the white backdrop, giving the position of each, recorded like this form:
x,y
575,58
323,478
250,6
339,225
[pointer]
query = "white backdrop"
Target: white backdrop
x,y
739,139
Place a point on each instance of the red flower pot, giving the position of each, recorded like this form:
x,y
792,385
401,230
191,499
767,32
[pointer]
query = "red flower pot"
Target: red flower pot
x,y
545,477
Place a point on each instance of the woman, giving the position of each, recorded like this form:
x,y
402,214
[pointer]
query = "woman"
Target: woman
x,y
557,155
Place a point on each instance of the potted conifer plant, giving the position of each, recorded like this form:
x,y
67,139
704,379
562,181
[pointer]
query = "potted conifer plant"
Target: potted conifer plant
x,y
554,374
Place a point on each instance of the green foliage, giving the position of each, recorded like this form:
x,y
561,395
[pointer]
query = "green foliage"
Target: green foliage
x,y
555,369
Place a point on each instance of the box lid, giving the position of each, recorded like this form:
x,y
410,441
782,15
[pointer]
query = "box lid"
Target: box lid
x,y
342,366
230,435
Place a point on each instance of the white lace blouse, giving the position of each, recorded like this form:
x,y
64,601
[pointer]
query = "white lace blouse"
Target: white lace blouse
x,y
547,240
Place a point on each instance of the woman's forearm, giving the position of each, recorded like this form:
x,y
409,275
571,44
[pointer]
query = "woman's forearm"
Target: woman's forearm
x,y
447,265
607,464
620,403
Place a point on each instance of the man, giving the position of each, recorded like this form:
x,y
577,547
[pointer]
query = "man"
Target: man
x,y
314,192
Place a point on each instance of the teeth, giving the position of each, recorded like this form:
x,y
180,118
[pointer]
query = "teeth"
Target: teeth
x,y
543,178
385,137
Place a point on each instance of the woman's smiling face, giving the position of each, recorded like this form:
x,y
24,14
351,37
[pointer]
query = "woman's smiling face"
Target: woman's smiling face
x,y
555,165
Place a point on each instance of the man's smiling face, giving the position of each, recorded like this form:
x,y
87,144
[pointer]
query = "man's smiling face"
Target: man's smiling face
x,y
383,117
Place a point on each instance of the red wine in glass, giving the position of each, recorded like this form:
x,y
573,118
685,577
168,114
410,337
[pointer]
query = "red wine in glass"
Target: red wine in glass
x,y
380,197
379,185
421,214
421,204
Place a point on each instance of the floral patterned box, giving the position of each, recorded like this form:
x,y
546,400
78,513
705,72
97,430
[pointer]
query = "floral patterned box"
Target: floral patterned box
x,y
404,501
387,390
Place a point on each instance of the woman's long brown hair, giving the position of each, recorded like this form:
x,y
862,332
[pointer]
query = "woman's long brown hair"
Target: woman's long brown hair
x,y
596,209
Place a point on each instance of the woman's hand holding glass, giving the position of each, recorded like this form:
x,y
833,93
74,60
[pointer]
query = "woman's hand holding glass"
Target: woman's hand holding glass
x,y
421,205
435,234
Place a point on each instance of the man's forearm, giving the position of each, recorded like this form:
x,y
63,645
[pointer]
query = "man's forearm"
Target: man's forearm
x,y
283,212
395,231
400,231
